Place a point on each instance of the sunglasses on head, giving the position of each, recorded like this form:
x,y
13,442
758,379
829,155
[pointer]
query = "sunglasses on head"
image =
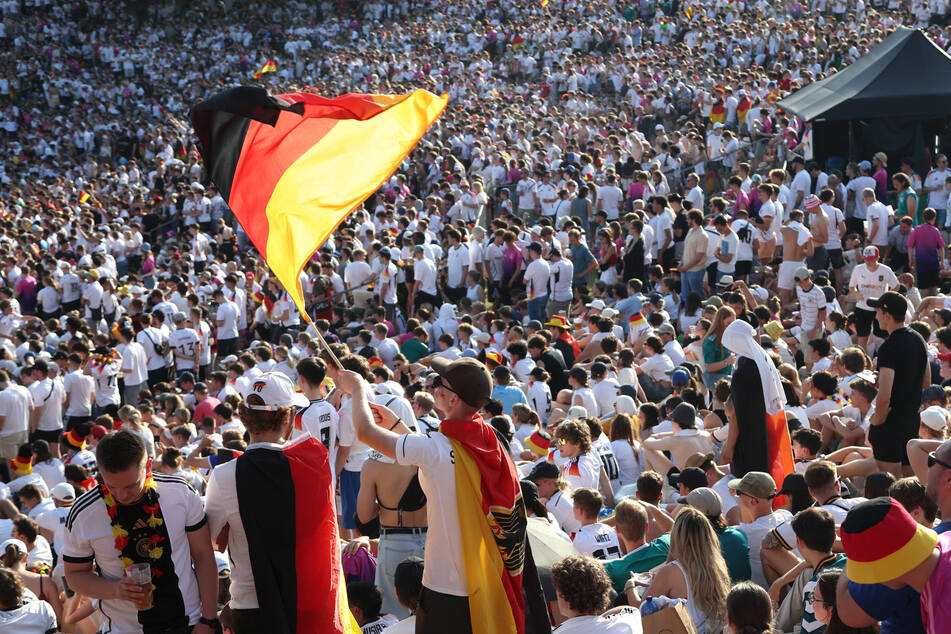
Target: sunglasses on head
x,y
933,460
438,382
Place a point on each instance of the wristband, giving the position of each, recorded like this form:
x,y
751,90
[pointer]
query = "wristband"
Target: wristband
x,y
209,622
398,421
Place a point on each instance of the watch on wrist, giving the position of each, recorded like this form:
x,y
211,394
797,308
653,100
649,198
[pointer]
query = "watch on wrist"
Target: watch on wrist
x,y
209,622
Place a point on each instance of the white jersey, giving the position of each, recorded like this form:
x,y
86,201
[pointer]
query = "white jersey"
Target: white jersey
x,y
598,540
320,420
85,541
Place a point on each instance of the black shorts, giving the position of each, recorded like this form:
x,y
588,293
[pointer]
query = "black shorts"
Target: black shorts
x,y
743,267
866,324
836,259
72,421
927,279
889,440
712,275
52,437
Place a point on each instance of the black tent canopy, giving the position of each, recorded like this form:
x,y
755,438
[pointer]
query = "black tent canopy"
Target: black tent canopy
x,y
906,76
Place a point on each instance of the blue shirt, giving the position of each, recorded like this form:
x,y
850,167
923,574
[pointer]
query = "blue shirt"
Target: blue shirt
x,y
898,610
581,257
943,527
509,395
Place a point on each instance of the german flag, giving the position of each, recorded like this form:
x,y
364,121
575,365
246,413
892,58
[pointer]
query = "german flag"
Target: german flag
x,y
292,167
83,197
269,67
286,503
779,450
636,319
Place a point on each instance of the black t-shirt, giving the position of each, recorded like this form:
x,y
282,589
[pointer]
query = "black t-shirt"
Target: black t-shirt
x,y
904,352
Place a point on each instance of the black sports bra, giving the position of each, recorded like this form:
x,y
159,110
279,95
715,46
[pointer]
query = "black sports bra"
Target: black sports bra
x,y
413,499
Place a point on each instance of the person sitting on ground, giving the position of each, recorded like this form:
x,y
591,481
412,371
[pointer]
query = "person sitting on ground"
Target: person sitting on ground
x,y
582,587
749,609
631,521
20,612
593,538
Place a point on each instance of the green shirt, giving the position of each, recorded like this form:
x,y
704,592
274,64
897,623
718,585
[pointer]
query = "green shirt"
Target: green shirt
x,y
712,353
809,623
414,349
648,556
735,548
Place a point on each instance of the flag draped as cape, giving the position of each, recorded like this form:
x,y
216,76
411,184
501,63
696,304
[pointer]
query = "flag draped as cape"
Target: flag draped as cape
x,y
286,502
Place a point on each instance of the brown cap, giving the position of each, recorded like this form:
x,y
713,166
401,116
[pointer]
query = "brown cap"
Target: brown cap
x,y
468,378
698,460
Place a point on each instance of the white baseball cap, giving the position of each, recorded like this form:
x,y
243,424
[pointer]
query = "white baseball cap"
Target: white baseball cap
x,y
20,546
276,390
934,418
597,305
64,492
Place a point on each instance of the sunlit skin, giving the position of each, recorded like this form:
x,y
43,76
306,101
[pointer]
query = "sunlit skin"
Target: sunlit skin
x,y
127,486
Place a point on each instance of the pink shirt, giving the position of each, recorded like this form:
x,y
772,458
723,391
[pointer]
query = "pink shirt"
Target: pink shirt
x,y
935,607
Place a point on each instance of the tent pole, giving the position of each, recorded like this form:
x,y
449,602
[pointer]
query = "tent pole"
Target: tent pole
x,y
851,141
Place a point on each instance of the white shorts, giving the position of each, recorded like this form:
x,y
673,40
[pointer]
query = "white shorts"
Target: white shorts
x,y
786,278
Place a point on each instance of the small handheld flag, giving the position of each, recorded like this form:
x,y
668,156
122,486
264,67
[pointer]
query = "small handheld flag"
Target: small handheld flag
x,y
83,197
269,67
292,167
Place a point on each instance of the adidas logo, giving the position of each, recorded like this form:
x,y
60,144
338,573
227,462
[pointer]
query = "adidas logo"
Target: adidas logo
x,y
140,524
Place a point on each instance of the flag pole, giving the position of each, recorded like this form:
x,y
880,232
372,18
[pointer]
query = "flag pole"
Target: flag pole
x,y
323,342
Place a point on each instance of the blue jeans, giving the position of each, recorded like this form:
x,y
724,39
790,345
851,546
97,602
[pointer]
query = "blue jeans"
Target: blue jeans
x,y
940,216
536,308
691,282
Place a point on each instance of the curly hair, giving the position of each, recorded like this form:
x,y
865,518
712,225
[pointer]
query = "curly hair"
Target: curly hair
x,y
575,431
582,583
11,589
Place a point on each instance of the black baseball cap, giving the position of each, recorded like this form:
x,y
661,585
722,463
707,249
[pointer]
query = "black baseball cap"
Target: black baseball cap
x,y
892,303
468,378
691,477
544,471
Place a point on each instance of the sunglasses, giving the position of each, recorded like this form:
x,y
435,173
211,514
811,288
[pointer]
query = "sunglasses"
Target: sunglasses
x,y
438,382
933,460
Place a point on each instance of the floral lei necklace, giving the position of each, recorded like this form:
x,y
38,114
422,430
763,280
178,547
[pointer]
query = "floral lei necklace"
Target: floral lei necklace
x,y
151,547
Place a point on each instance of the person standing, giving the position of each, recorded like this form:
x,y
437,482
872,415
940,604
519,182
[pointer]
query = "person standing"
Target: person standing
x,y
48,396
457,262
934,186
868,282
15,404
155,519
459,464
926,253
694,259
561,274
903,372
758,437
536,277
812,308
276,501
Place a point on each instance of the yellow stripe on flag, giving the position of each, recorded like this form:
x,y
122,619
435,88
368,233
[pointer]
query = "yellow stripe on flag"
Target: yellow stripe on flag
x,y
488,604
321,188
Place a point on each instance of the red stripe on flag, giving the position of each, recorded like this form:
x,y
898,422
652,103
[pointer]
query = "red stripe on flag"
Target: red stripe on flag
x,y
254,181
318,579
779,449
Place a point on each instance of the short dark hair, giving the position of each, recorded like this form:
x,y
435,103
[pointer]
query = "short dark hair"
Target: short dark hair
x,y
815,526
314,369
588,500
120,450
367,597
650,486
809,438
911,494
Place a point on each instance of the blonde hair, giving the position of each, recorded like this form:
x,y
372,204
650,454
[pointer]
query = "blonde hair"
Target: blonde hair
x,y
696,548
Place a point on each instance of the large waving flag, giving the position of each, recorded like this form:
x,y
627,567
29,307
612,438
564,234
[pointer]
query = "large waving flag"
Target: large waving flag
x,y
295,554
292,167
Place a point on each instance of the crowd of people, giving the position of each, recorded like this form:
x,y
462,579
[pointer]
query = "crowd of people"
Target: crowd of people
x,y
605,273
